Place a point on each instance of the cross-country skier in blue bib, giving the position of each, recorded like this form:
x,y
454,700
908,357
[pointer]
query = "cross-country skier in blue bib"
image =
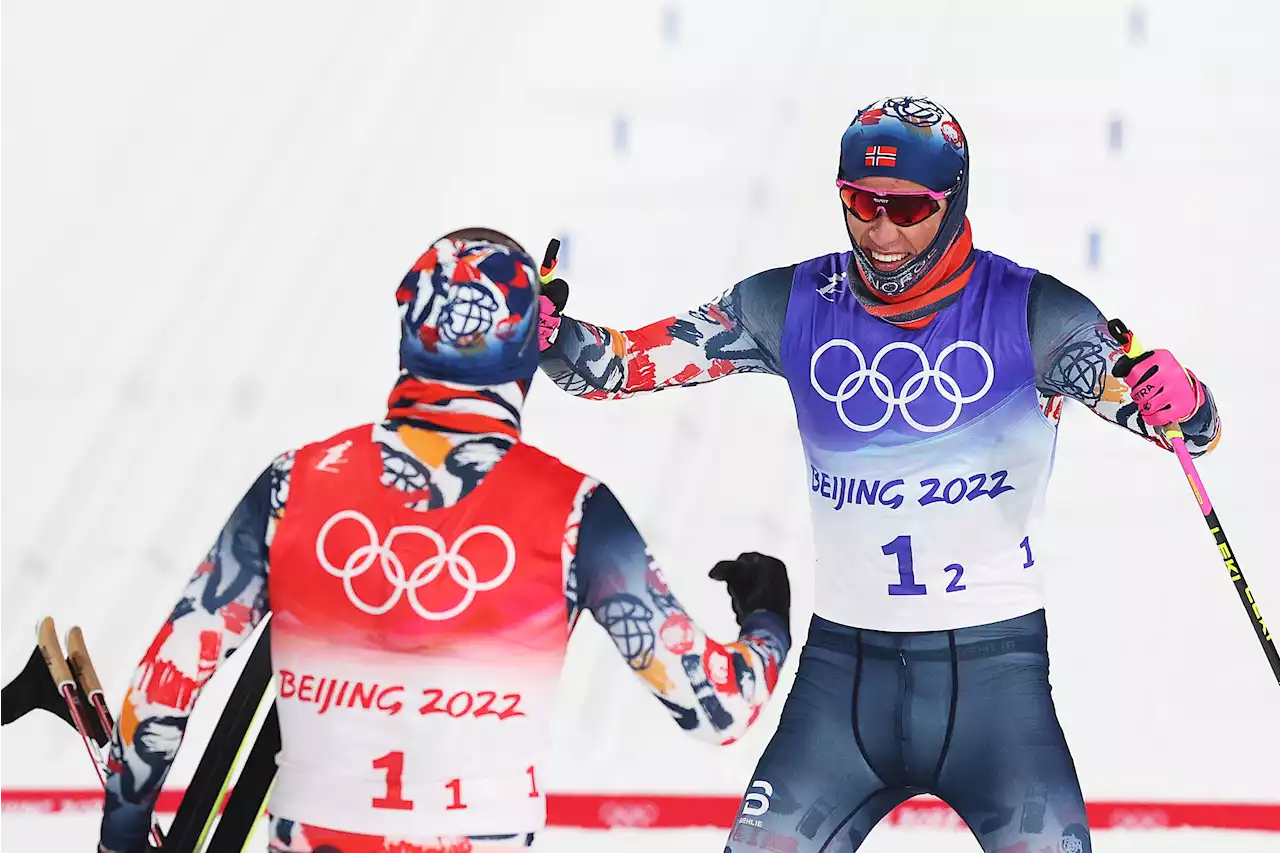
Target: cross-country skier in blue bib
x,y
927,378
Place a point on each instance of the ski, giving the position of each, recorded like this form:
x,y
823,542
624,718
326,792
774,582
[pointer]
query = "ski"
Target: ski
x,y
208,787
249,796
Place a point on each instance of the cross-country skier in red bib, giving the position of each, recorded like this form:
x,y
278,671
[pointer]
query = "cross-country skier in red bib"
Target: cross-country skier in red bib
x,y
424,574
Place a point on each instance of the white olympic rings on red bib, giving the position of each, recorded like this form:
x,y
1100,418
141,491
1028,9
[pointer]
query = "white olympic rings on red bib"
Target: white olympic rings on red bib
x,y
461,570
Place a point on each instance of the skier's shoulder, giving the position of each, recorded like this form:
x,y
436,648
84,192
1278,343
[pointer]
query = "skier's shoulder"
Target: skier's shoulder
x,y
542,463
1008,272
330,455
345,439
1054,309
545,472
761,288
760,300
826,265
767,293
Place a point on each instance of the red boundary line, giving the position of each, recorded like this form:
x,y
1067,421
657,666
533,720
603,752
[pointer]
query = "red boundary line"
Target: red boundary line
x,y
670,811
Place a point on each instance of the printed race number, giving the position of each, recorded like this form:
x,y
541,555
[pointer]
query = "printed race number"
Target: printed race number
x,y
393,764
907,584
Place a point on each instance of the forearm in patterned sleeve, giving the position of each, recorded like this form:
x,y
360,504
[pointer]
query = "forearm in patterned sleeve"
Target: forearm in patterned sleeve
x,y
714,691
1075,355
738,333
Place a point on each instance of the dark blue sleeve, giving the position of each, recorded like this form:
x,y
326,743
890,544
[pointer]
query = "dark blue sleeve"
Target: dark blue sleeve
x,y
760,304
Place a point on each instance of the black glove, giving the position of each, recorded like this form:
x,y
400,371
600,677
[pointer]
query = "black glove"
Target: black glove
x,y
756,582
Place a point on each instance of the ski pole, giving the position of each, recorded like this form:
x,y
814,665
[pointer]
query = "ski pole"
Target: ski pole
x,y
51,649
86,676
1133,351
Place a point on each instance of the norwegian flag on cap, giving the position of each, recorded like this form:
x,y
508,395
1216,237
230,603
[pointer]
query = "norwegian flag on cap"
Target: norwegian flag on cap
x,y
881,155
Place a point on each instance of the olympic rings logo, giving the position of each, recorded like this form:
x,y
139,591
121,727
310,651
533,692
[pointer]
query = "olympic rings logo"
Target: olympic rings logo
x,y
461,570
883,388
636,814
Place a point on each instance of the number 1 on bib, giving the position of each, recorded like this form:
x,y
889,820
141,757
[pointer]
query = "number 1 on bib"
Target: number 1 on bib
x,y
393,763
906,568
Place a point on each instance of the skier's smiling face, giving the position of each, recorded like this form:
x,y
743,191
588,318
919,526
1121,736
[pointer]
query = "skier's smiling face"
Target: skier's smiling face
x,y
890,246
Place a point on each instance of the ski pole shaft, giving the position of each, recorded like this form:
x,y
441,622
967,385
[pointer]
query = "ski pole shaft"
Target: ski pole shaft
x,y
1133,350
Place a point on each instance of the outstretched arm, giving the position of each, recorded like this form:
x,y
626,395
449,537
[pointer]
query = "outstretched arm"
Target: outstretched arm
x,y
738,333
222,603
714,691
1075,356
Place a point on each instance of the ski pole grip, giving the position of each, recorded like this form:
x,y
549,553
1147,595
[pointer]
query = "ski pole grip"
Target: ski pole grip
x,y
1133,350
51,650
548,268
78,654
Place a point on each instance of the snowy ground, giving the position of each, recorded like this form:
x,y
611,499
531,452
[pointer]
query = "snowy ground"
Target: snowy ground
x,y
26,832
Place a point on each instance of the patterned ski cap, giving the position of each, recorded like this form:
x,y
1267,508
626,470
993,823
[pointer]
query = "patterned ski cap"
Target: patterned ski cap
x,y
905,137
468,310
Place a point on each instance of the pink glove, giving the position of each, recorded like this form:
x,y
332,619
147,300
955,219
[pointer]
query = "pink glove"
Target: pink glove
x,y
548,322
554,296
1164,390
